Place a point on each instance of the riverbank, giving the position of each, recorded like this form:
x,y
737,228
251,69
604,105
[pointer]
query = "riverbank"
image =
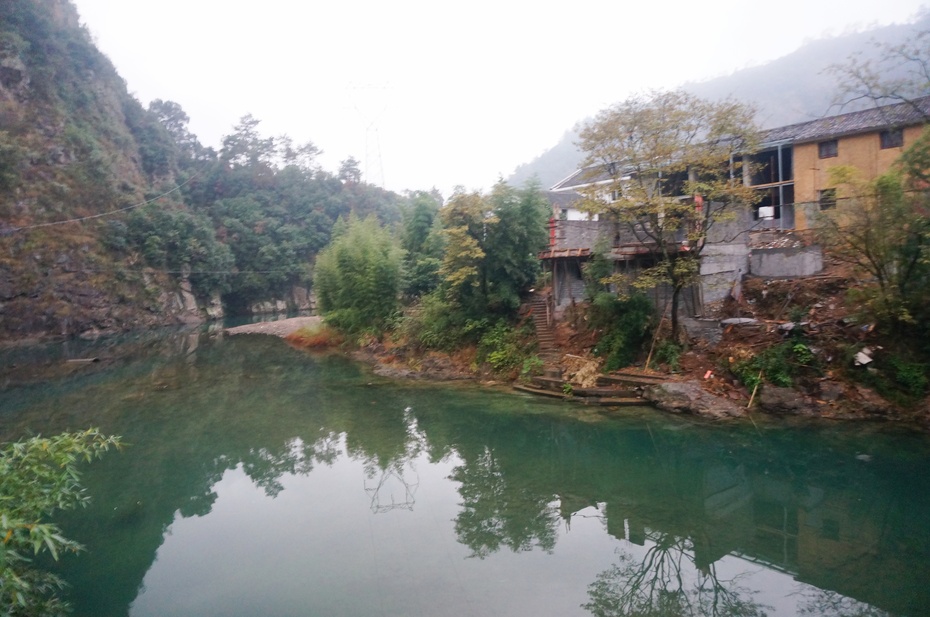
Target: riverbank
x,y
281,328
695,389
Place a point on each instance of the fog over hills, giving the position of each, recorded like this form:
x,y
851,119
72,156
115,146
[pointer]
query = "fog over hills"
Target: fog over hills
x,y
793,88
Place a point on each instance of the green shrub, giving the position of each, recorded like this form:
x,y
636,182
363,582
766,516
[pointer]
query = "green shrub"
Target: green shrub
x,y
910,377
504,348
895,378
625,325
532,366
668,353
778,365
38,477
357,278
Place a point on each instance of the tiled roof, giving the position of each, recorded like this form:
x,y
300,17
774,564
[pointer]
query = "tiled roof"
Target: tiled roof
x,y
583,177
563,199
889,116
561,253
898,115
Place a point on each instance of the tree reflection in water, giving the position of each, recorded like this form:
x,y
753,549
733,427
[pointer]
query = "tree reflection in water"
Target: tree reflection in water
x,y
666,582
823,603
495,514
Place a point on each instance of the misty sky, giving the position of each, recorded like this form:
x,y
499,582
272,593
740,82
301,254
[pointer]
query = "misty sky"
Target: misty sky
x,y
428,93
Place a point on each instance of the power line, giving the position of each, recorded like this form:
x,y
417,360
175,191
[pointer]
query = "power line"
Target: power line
x,y
102,214
156,271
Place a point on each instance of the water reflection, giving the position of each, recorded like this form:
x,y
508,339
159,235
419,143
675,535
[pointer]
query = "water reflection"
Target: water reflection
x,y
635,514
395,488
497,514
666,581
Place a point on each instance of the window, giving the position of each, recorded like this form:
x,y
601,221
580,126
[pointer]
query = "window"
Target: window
x,y
827,199
892,138
771,166
769,207
827,149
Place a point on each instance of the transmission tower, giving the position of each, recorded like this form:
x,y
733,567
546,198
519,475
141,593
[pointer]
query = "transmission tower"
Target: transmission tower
x,y
370,102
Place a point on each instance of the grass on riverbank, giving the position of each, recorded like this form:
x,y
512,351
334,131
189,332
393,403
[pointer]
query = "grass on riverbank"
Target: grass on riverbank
x,y
315,336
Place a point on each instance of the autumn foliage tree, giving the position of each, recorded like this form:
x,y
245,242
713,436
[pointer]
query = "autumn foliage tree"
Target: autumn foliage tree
x,y
882,226
669,165
488,264
491,247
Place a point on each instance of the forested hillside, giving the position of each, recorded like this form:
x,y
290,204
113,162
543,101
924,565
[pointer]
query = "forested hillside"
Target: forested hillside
x,y
795,88
115,216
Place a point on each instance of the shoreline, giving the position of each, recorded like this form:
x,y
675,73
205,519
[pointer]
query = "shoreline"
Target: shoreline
x,y
281,328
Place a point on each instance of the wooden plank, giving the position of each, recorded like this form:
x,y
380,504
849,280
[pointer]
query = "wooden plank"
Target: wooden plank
x,y
549,383
539,391
616,402
608,391
605,380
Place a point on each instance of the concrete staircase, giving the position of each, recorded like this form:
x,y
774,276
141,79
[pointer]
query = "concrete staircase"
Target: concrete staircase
x,y
545,334
619,389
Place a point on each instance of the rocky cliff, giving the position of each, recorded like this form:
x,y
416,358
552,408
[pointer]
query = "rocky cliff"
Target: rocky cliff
x,y
71,152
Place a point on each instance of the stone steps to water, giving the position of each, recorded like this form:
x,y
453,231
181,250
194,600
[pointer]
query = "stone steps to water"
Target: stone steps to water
x,y
617,389
608,392
630,379
539,391
545,335
601,401
549,383
608,401
556,387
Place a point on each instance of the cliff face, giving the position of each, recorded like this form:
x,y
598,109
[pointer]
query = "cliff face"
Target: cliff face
x,y
72,149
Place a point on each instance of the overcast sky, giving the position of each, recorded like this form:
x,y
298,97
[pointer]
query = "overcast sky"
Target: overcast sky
x,y
429,93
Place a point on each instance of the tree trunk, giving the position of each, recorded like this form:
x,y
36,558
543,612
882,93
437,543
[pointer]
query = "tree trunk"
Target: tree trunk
x,y
676,295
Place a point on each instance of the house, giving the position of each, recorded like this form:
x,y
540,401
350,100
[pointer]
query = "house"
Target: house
x,y
791,170
792,166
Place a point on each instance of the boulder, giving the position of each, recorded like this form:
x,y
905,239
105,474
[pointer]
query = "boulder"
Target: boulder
x,y
871,403
832,391
785,401
690,397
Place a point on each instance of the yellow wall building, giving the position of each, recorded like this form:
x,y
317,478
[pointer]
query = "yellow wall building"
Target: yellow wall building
x,y
792,168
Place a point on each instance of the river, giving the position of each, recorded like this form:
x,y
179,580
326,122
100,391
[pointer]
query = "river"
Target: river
x,y
262,480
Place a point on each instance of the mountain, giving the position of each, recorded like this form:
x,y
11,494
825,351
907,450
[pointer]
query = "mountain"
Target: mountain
x,y
793,88
69,149
113,216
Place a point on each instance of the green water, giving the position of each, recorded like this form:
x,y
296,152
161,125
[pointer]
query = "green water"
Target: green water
x,y
264,481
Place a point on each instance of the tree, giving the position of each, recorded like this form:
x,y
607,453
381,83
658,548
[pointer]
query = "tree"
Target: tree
x,y
671,163
245,147
422,243
883,230
465,220
491,247
182,243
358,276
900,74
39,476
512,244
349,171
302,157
175,120
882,227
